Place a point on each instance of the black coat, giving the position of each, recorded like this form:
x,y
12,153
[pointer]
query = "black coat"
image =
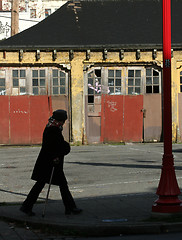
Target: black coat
x,y
53,146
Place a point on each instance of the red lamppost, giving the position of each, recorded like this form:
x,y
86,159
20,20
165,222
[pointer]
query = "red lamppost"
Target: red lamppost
x,y
168,189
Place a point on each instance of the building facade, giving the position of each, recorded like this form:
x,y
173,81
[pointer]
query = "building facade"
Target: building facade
x,y
112,91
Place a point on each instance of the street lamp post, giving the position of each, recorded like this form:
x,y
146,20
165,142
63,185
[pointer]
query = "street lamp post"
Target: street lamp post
x,y
168,189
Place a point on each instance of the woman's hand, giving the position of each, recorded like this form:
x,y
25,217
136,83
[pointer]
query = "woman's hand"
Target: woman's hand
x,y
56,161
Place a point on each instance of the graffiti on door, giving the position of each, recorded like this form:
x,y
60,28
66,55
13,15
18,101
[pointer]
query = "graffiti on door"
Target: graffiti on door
x,y
112,106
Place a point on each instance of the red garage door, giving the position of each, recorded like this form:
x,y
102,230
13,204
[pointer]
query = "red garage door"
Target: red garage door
x,y
121,118
23,118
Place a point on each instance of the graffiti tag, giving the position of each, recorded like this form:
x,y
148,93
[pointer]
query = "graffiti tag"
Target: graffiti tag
x,y
20,111
112,106
98,88
3,92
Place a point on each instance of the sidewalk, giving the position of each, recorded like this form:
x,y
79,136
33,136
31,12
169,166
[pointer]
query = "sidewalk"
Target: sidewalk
x,y
115,186
102,216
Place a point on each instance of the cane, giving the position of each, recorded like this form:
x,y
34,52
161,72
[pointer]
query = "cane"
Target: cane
x,y
43,213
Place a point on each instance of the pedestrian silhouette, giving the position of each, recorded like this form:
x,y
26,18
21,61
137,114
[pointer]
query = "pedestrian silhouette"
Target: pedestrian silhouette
x,y
51,155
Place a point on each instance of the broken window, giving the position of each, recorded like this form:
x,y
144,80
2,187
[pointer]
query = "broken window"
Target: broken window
x,y
94,90
152,81
94,84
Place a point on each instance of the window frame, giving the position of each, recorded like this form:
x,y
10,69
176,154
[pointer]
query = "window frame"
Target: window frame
x,y
96,90
47,12
3,87
59,80
153,84
39,78
16,89
122,85
141,69
180,81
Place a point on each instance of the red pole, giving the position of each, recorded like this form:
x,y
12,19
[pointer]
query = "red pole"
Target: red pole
x,y
168,189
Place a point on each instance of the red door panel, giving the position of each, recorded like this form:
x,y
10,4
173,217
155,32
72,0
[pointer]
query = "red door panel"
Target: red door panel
x,y
133,118
112,118
121,118
4,119
19,120
23,118
153,117
39,115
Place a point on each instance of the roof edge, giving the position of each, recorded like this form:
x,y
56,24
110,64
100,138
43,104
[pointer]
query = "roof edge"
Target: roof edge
x,y
112,47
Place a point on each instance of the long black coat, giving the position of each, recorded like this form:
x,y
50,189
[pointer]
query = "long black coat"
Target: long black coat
x,y
53,146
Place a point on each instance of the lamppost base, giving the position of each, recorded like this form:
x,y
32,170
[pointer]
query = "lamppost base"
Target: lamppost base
x,y
167,208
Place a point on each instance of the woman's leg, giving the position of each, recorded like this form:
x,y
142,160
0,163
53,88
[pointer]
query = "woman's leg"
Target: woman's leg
x,y
32,196
67,198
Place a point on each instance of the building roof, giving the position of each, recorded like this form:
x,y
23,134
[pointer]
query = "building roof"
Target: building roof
x,y
101,24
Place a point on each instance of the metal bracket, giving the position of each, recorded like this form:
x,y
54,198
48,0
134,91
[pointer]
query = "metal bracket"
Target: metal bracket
x,y
167,63
37,55
54,55
21,55
121,54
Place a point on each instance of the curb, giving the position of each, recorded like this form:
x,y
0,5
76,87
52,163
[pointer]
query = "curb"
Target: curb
x,y
99,230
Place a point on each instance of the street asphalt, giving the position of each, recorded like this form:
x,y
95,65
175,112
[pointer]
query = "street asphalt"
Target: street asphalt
x,y
115,185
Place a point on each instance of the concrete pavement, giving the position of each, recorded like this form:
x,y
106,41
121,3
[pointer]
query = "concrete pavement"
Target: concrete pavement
x,y
103,214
